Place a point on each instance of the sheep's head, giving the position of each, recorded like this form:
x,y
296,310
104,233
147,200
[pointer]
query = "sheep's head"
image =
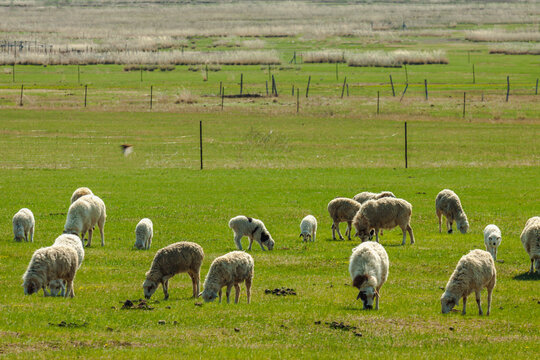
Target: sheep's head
x,y
494,240
462,224
208,295
149,288
448,302
31,286
366,291
305,237
57,287
267,240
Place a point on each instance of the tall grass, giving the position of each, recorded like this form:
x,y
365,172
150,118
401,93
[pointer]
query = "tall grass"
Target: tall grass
x,y
324,56
516,49
497,35
397,58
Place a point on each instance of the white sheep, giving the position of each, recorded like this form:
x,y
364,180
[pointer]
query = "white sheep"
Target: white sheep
x,y
228,270
83,215
530,238
51,263
385,213
474,271
143,234
492,239
308,228
58,286
254,229
366,195
368,267
79,193
23,225
448,204
342,210
173,259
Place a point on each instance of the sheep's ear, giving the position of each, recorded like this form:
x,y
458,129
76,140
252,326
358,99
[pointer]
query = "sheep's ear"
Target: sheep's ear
x,y
200,294
372,232
300,235
359,280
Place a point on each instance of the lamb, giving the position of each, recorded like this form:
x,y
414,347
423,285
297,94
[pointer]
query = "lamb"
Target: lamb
x,y
308,228
342,210
143,233
448,204
366,195
83,215
51,263
173,259
368,267
228,270
530,238
23,225
80,192
254,229
385,213
492,239
58,286
474,271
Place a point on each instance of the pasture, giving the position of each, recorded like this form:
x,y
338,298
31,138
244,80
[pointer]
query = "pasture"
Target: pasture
x,y
264,159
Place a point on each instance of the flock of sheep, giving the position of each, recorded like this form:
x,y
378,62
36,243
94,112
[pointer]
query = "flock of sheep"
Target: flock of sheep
x,y
54,267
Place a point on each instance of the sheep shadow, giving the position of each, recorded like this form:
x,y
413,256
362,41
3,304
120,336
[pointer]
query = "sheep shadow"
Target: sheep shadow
x,y
526,276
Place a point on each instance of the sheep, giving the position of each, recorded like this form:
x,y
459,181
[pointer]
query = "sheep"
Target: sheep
x,y
342,210
83,215
23,225
254,229
368,267
530,238
143,233
492,239
51,263
308,228
474,271
80,192
448,204
58,286
173,259
385,213
228,270
366,195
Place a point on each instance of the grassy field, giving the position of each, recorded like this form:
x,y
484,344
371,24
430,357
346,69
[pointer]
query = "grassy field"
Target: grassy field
x,y
264,159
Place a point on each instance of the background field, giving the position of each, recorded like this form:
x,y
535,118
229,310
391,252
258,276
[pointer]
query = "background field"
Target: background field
x,y
263,159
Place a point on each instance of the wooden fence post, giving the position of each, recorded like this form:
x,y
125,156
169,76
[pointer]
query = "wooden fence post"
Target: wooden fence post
x,y
507,87
473,75
85,92
392,84
241,83
21,100
343,87
406,162
222,96
151,95
425,86
536,92
404,91
377,102
309,81
464,96
297,100
200,142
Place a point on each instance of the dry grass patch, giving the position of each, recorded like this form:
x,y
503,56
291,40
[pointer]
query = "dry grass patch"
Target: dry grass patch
x,y
324,56
397,58
496,35
516,49
185,97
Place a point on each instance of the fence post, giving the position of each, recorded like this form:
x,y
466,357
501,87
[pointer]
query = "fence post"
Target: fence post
x,y
266,87
404,91
406,162
292,90
85,92
241,83
141,73
392,84
536,92
79,74
297,100
21,100
337,77
425,86
309,81
377,102
406,75
343,87
13,72
347,89
220,86
222,96
507,87
151,95
206,72
473,75
464,96
200,142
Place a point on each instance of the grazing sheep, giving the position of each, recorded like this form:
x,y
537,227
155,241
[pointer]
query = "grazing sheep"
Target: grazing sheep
x,y
366,195
385,213
51,263
492,239
448,204
308,228
58,286
474,271
228,270
83,215
173,259
80,192
23,225
143,234
530,238
342,210
254,229
368,267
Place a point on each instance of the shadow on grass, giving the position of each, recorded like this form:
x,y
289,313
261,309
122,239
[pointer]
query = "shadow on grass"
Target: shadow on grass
x,y
526,276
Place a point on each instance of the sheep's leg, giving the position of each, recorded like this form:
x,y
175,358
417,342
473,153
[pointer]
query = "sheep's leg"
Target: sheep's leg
x,y
349,225
531,271
377,234
63,291
101,225
45,293
32,234
166,288
333,231
90,231
229,287
377,299
237,238
490,292
480,312
339,233
237,290
195,283
464,305
250,243
69,288
449,225
262,247
149,242
411,235
248,290
219,294
313,236
439,215
25,236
